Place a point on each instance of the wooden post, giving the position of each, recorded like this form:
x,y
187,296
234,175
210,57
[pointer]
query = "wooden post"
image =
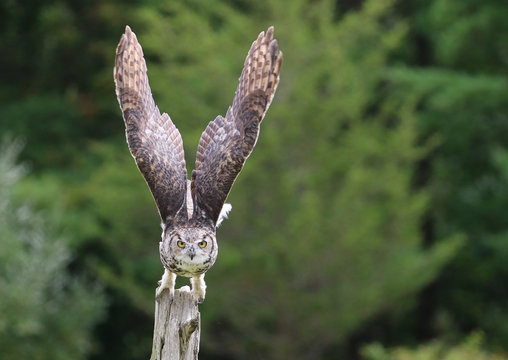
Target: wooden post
x,y
177,327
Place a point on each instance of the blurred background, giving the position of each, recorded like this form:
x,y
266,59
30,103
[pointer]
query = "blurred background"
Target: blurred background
x,y
369,223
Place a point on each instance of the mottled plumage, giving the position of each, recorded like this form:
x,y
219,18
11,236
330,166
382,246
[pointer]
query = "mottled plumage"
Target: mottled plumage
x,y
191,210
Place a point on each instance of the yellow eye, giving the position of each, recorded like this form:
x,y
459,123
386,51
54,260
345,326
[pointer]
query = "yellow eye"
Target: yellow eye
x,y
180,244
202,243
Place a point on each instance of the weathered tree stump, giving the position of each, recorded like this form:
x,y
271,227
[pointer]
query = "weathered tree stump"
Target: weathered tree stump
x,y
177,327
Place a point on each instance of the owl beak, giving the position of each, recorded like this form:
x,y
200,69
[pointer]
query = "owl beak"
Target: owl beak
x,y
192,252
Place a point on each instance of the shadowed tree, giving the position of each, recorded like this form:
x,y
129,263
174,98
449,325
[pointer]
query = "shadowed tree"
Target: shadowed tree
x,y
46,313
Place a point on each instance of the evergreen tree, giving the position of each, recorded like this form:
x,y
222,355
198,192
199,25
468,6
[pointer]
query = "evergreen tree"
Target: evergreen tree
x,y
46,312
458,73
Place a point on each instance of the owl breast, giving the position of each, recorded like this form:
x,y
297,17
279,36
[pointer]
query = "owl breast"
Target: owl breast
x,y
186,267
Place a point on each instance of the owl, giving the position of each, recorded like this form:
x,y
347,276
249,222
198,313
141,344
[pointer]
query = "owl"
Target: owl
x,y
192,209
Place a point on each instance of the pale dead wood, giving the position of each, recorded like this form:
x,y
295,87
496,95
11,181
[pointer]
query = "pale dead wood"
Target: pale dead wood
x,y
177,327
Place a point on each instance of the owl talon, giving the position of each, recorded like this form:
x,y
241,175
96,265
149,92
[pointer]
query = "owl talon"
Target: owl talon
x,y
198,288
198,299
159,292
167,282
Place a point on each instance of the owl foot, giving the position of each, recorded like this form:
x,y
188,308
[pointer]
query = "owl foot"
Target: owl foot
x,y
198,288
167,282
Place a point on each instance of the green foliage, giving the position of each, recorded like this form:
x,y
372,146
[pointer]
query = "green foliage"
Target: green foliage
x,y
46,313
469,349
49,118
328,233
467,186
385,119
455,27
127,224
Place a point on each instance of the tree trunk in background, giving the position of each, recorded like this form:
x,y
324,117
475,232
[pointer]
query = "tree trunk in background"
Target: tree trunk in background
x,y
177,327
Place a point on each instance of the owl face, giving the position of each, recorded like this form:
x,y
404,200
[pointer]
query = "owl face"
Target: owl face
x,y
188,251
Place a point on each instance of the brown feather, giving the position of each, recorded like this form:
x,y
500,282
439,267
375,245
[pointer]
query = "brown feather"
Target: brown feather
x,y
154,141
227,142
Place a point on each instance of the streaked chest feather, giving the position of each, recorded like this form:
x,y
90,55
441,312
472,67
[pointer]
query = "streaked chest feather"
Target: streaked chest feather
x,y
184,266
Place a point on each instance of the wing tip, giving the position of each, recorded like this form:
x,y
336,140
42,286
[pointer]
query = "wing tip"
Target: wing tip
x,y
265,36
130,35
260,36
125,40
128,48
269,33
128,38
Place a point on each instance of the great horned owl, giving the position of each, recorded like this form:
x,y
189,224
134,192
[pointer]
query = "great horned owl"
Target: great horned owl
x,y
191,210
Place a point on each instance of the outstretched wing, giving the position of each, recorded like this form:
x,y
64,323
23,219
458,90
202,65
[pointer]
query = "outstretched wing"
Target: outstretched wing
x,y
227,142
154,141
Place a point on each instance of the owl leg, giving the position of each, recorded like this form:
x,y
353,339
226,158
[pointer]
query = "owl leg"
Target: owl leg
x,y
167,282
198,288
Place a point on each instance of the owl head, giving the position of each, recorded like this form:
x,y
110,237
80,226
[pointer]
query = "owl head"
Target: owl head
x,y
188,251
